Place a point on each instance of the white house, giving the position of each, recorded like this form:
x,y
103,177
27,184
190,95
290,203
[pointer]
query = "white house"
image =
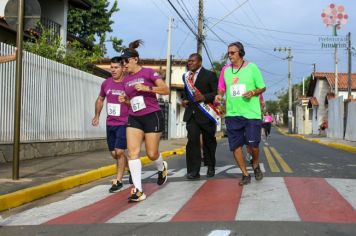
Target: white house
x,y
53,16
303,116
321,89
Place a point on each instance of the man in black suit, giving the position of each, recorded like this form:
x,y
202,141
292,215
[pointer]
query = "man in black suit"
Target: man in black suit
x,y
205,83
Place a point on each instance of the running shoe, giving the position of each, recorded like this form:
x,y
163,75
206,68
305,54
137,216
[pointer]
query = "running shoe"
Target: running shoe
x,y
163,175
246,179
116,185
130,177
258,173
136,195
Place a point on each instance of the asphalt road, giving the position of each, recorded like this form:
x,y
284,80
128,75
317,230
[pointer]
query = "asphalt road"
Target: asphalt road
x,y
308,189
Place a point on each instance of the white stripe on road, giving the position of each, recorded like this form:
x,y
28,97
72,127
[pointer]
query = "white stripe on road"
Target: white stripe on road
x,y
347,189
162,205
267,200
220,233
203,170
39,215
249,169
178,174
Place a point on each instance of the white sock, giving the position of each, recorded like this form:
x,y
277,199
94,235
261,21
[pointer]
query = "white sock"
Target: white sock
x,y
135,169
159,163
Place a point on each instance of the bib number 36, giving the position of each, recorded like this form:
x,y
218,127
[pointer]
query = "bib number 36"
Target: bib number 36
x,y
113,109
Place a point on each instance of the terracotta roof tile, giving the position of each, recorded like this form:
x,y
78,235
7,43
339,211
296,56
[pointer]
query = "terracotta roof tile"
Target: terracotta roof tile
x,y
314,101
342,79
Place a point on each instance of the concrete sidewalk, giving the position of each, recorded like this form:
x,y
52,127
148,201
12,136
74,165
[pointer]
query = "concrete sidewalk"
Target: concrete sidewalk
x,y
335,143
45,176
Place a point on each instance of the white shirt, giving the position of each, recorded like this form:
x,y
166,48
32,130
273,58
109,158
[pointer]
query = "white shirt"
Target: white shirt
x,y
195,74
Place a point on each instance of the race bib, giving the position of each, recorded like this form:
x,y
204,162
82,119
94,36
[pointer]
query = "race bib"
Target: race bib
x,y
113,109
137,103
237,90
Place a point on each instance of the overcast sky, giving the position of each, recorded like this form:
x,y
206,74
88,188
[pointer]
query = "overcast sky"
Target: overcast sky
x,y
260,25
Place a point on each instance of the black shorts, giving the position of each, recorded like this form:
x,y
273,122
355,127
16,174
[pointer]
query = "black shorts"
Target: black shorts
x,y
150,123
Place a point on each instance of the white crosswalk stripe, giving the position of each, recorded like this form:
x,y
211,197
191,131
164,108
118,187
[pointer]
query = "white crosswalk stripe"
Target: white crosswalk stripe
x,y
346,187
161,206
267,200
39,215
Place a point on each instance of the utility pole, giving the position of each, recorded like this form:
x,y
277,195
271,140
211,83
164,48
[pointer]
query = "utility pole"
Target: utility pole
x,y
349,80
18,85
169,56
314,70
171,109
336,72
290,112
200,38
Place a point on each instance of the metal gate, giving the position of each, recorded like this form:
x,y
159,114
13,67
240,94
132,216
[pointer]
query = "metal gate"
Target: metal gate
x,y
165,111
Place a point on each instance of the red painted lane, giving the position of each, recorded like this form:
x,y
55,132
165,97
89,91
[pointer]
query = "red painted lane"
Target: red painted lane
x,y
216,200
317,201
103,210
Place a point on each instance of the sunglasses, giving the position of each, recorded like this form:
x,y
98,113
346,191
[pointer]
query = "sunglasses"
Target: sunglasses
x,y
127,60
232,52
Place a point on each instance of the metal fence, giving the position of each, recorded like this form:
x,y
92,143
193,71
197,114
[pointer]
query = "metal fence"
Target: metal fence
x,y
350,132
57,100
336,118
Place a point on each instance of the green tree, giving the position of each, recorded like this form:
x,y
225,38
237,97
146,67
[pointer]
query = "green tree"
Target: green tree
x,y
306,84
94,24
39,44
272,107
218,65
283,104
48,45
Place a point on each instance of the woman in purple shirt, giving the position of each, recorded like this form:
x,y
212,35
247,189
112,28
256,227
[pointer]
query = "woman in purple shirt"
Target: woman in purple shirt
x,y
145,122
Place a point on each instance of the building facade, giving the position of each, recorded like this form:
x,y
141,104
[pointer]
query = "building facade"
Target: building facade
x,y
54,15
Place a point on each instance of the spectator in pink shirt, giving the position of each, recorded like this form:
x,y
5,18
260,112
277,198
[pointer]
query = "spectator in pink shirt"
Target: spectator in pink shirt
x,y
267,123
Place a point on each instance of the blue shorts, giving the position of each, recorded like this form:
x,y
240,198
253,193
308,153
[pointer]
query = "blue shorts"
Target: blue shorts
x,y
242,131
116,137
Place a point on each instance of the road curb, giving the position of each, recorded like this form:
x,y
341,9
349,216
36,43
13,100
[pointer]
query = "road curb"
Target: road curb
x,y
340,146
11,200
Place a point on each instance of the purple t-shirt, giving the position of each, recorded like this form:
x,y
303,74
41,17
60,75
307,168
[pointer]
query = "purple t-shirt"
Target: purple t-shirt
x,y
117,113
142,103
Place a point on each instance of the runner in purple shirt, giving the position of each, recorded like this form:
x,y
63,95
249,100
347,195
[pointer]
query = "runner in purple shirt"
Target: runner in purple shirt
x,y
145,123
116,120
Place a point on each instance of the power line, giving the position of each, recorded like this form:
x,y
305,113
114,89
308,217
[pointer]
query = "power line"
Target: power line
x,y
187,13
266,71
261,22
229,13
163,13
272,30
181,17
252,33
181,45
195,34
250,45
